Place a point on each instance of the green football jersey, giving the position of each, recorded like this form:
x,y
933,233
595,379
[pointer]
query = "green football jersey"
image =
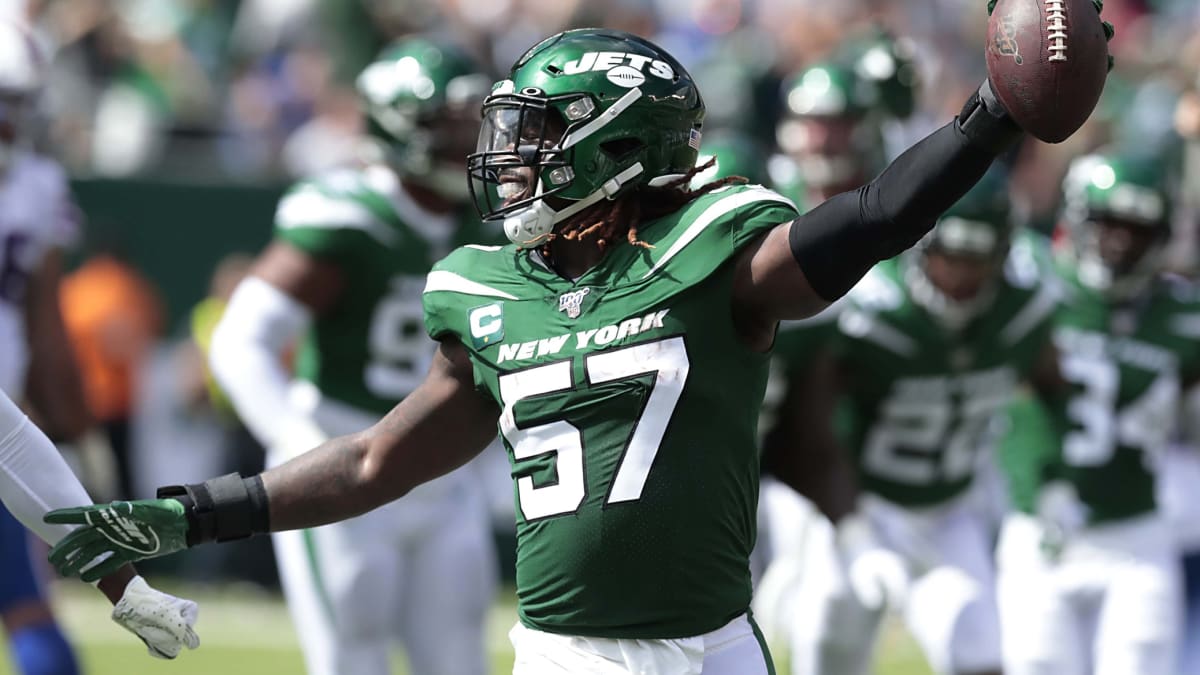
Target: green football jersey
x,y
1126,366
922,398
629,409
370,350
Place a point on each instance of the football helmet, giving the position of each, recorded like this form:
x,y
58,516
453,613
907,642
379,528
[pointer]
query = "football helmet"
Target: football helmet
x,y
421,100
953,271
828,128
22,73
889,63
1117,215
584,115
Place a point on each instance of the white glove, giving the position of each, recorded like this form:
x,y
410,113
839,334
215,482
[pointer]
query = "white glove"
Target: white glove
x,y
164,622
1061,514
878,576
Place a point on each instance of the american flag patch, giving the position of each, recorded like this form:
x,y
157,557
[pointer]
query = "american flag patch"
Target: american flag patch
x,y
694,139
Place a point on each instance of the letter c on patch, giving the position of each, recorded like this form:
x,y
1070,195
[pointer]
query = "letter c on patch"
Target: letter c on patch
x,y
485,320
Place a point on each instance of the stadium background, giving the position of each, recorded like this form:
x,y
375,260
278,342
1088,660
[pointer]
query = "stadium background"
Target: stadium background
x,y
181,121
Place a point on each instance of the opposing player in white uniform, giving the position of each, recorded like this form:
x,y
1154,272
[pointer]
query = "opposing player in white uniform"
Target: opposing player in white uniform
x,y
343,277
1088,571
37,218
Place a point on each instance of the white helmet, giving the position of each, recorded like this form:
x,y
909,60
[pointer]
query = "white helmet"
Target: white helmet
x,y
22,72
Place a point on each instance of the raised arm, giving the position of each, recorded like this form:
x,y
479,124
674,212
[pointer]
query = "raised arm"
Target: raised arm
x,y
799,268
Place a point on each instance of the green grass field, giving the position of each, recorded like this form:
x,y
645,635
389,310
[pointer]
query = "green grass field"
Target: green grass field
x,y
244,631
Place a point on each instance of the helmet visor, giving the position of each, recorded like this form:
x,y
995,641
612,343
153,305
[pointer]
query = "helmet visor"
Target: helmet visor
x,y
517,160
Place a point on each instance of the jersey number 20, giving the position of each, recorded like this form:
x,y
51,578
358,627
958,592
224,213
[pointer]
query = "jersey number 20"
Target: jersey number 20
x,y
666,359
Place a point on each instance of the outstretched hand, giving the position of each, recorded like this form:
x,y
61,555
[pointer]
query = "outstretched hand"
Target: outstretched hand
x,y
115,534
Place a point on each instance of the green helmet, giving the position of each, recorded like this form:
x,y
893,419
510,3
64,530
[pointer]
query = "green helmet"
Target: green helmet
x,y
736,154
421,100
888,63
1117,188
585,115
979,227
980,223
828,128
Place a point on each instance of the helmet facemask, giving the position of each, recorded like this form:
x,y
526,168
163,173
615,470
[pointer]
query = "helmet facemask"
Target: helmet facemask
x,y
523,166
1119,258
1117,213
954,272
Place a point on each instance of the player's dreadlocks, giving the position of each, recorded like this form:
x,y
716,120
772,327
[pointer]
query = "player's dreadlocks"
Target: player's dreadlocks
x,y
610,222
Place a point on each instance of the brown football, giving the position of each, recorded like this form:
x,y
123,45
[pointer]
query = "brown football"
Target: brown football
x,y
1047,60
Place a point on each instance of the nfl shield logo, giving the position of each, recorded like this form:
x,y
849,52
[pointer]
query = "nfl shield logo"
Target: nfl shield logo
x,y
572,302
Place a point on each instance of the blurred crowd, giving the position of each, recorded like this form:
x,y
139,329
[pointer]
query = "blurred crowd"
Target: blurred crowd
x,y
263,89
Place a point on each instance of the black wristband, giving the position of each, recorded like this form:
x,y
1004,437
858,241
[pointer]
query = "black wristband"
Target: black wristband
x,y
986,123
222,509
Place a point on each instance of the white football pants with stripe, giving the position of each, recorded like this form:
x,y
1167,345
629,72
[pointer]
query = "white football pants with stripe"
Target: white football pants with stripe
x,y
420,572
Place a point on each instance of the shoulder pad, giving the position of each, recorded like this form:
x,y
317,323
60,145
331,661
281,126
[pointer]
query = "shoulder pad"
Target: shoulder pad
x,y
712,228
335,201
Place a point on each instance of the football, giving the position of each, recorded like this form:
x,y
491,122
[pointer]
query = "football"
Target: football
x,y
1047,61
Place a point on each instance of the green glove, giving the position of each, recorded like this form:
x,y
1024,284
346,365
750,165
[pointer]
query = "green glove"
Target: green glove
x,y
117,533
1109,31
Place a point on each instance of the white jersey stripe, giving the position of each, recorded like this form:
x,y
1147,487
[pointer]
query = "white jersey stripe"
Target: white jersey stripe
x,y
442,280
1034,311
309,208
712,213
865,326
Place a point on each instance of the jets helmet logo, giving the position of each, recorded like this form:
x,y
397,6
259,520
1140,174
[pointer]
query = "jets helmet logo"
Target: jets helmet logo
x,y
629,69
572,302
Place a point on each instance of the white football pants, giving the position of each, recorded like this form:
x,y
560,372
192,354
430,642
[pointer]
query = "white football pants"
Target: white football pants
x,y
1111,605
421,571
734,649
951,607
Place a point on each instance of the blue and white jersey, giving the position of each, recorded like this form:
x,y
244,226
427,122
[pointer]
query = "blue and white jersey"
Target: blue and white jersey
x,y
37,214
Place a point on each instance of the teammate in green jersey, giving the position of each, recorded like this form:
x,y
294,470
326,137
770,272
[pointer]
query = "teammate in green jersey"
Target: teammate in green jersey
x,y
832,134
930,347
620,343
1088,580
342,278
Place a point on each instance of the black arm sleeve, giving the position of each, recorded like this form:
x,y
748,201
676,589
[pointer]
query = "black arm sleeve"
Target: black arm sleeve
x,y
837,242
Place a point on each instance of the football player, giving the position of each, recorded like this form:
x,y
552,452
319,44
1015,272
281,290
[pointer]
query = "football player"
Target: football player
x,y
342,278
835,114
37,219
829,140
930,347
1088,577
620,342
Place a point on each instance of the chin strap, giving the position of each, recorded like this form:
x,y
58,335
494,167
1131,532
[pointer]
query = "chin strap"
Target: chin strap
x,y
529,227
